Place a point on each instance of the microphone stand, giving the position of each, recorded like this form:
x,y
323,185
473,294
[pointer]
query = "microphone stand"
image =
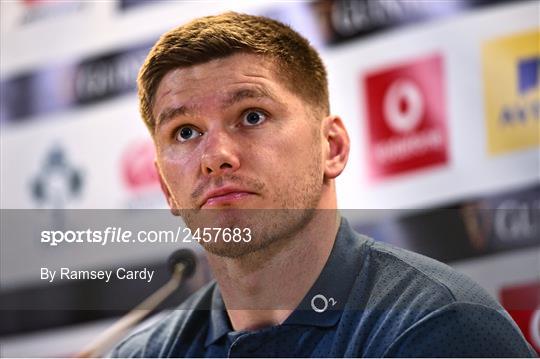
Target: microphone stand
x,y
115,332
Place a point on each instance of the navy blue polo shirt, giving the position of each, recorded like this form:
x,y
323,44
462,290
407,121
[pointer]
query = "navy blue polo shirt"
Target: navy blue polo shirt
x,y
370,300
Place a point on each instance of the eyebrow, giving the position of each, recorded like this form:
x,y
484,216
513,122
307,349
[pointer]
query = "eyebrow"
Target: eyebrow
x,y
237,96
256,92
169,114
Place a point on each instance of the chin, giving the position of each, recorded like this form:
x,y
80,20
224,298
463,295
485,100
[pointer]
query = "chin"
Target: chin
x,y
232,250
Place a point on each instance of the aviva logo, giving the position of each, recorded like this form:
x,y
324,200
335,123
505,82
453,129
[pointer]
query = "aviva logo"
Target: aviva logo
x,y
512,92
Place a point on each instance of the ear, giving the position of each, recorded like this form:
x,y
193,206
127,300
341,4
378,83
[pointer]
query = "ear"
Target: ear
x,y
337,146
166,192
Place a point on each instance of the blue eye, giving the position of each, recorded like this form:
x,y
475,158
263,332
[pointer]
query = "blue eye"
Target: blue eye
x,y
253,118
186,133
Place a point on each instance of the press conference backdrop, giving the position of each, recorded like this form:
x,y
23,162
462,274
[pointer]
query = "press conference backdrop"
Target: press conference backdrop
x,y
441,100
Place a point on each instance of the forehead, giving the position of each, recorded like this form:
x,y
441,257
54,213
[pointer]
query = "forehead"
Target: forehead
x,y
211,80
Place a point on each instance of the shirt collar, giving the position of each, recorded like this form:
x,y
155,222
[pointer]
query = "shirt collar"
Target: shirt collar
x,y
324,302
219,319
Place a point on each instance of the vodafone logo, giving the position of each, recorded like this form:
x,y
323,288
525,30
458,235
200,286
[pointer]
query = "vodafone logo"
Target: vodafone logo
x,y
406,115
535,329
403,106
522,302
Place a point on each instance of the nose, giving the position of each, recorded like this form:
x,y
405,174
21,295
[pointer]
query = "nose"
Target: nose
x,y
220,155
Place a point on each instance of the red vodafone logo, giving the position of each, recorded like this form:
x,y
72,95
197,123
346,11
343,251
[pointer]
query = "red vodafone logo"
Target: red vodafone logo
x,y
403,106
137,163
406,117
535,329
522,301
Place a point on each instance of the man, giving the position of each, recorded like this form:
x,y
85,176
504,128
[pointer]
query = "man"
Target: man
x,y
238,109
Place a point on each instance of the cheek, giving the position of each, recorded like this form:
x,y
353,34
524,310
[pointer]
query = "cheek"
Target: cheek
x,y
299,149
177,170
289,160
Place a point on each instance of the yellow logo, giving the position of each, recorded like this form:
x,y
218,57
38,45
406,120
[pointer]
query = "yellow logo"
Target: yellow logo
x,y
512,92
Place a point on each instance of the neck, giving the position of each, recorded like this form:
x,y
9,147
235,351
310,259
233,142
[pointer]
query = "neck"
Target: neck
x,y
262,288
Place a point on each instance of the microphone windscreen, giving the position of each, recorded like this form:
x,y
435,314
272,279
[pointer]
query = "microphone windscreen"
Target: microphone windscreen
x,y
186,257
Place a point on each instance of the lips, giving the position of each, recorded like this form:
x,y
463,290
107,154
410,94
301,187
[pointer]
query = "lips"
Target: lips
x,y
225,195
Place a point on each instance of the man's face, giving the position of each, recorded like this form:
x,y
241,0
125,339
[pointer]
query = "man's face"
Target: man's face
x,y
231,138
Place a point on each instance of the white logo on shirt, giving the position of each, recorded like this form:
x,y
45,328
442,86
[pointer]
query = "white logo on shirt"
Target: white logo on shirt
x,y
316,303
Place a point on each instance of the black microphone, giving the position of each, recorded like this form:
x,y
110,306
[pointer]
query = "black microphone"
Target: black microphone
x,y
184,257
182,264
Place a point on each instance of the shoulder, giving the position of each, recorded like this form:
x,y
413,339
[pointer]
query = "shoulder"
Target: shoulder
x,y
430,309
155,340
463,330
423,276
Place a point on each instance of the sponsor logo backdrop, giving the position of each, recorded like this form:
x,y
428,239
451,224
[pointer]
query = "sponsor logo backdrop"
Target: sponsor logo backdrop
x,y
429,107
512,92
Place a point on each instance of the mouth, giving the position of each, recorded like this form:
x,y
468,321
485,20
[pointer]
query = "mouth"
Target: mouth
x,y
225,196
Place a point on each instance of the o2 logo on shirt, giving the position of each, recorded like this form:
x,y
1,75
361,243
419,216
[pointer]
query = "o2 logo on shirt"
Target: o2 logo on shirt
x,y
320,303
